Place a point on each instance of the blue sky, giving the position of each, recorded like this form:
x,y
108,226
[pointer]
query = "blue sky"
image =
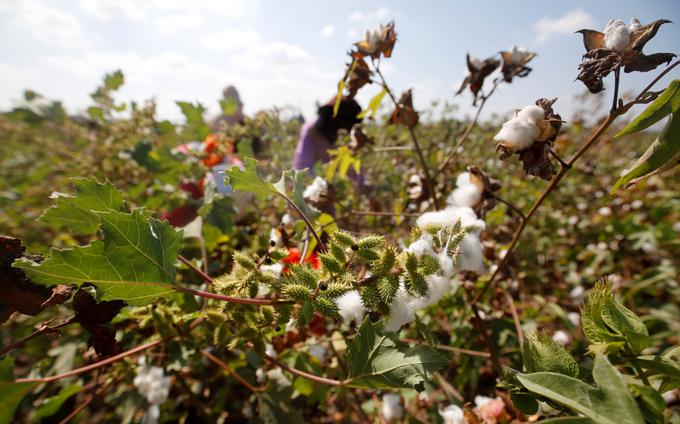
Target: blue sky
x,y
293,52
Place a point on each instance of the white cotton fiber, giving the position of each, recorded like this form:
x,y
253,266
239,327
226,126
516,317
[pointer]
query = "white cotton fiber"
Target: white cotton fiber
x,y
471,256
422,246
468,195
452,414
391,407
616,35
518,133
401,312
532,113
351,308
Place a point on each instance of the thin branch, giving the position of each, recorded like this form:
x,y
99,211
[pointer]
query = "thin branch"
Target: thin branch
x,y
379,213
194,268
302,374
453,349
94,366
560,175
292,204
515,318
43,329
512,207
414,139
554,154
239,300
468,129
617,78
78,410
217,361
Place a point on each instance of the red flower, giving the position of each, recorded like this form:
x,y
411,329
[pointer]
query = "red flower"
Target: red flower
x,y
294,258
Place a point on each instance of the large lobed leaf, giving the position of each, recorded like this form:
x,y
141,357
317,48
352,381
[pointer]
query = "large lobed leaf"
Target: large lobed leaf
x,y
79,212
377,360
609,403
134,262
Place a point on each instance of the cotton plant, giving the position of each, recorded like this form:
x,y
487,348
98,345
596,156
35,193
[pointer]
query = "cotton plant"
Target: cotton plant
x,y
453,414
152,383
392,409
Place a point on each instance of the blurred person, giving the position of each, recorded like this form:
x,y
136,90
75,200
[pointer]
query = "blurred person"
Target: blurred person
x,y
319,135
230,100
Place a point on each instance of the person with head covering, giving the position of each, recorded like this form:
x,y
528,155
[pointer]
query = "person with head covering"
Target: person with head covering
x,y
232,110
318,136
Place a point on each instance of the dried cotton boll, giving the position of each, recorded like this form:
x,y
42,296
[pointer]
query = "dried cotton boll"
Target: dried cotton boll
x,y
532,113
391,407
453,414
561,337
316,190
350,307
517,134
616,35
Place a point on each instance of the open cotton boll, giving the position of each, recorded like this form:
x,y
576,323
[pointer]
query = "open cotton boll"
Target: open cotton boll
x,y
471,255
463,179
402,310
351,307
449,216
269,350
467,195
574,318
517,54
437,286
532,113
422,246
561,337
518,133
391,407
635,24
453,414
316,190
616,35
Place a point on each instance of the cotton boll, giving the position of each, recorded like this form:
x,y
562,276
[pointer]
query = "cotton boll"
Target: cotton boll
x,y
471,255
482,400
401,311
518,134
151,383
467,195
577,293
316,190
463,179
422,246
275,269
350,307
391,407
634,24
438,286
318,351
574,318
452,414
561,337
269,350
616,35
532,113
449,216
445,264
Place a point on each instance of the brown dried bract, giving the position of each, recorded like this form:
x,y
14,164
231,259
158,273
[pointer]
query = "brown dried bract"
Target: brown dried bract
x,y
378,42
599,61
404,114
477,73
92,316
514,63
489,188
359,75
17,292
358,139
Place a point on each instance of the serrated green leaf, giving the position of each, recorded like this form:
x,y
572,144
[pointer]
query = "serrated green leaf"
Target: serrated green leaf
x,y
376,359
249,179
134,262
79,212
668,102
11,395
195,127
662,155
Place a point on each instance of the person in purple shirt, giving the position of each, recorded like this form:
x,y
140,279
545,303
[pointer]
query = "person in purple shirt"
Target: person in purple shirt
x,y
317,137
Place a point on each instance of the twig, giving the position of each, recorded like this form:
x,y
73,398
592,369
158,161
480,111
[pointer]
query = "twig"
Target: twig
x,y
78,410
563,170
217,361
414,139
239,300
194,268
617,76
454,349
515,318
511,206
43,329
448,388
302,374
292,204
554,154
468,129
378,213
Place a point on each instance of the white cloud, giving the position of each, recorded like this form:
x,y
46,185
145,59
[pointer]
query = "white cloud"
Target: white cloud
x,y
327,30
178,23
47,24
370,18
106,10
571,21
352,33
231,39
356,17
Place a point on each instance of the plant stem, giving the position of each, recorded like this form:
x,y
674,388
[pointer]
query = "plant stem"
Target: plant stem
x,y
378,213
414,139
194,268
301,373
634,362
43,329
468,129
454,349
239,300
217,361
617,76
292,204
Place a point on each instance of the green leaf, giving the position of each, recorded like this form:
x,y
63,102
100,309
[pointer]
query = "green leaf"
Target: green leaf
x,y
195,127
610,403
6,368
134,262
377,360
661,365
11,395
623,321
373,104
52,405
650,401
114,80
543,354
568,420
668,102
275,406
249,180
229,106
79,212
338,98
662,155
526,404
